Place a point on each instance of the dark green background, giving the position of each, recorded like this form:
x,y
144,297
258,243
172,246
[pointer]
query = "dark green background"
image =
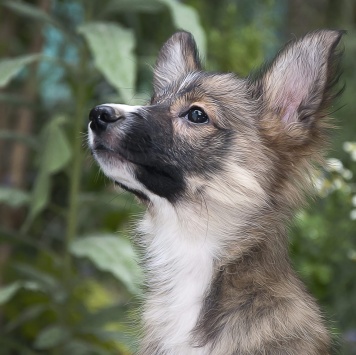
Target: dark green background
x,y
67,275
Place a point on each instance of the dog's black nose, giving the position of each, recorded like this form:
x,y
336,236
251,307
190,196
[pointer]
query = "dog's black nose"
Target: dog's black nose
x,y
100,116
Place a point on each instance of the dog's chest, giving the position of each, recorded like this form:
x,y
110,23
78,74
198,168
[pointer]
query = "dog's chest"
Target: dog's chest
x,y
179,271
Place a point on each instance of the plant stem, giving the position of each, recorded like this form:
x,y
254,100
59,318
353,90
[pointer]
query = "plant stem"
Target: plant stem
x,y
75,174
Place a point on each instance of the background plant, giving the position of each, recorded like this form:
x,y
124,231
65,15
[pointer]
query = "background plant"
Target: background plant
x,y
69,282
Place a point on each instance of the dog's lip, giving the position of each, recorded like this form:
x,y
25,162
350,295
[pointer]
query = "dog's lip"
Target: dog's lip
x,y
117,153
120,155
102,149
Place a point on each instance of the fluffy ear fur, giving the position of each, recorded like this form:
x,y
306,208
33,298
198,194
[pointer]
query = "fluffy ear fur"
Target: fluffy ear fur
x,y
296,88
177,57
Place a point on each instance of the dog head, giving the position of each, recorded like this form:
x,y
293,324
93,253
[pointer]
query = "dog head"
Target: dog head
x,y
218,140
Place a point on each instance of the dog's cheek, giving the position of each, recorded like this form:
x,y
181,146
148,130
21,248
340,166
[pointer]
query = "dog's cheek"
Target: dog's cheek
x,y
165,181
156,165
202,150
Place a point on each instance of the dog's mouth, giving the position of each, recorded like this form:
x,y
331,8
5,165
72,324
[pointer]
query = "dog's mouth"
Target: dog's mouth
x,y
101,149
118,153
137,158
139,194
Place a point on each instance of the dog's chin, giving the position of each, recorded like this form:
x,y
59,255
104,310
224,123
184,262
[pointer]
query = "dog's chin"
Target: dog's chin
x,y
121,171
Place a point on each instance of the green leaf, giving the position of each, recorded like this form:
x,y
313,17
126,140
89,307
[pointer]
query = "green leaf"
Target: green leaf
x,y
51,337
39,197
13,197
25,316
104,316
10,67
56,148
7,292
56,154
110,253
186,18
40,280
112,48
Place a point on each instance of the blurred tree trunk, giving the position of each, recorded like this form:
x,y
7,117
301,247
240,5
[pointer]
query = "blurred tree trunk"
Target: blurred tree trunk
x,y
14,155
25,114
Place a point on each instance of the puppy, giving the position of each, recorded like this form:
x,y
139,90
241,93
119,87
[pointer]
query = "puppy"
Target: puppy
x,y
222,162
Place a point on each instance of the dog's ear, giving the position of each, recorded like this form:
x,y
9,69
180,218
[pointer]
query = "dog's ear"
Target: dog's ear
x,y
296,89
177,57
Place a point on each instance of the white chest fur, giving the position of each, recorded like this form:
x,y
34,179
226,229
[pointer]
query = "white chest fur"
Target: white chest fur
x,y
179,271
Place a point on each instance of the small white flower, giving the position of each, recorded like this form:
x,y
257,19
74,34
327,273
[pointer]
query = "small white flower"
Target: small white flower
x,y
338,183
335,164
353,155
354,200
347,174
353,215
352,254
347,147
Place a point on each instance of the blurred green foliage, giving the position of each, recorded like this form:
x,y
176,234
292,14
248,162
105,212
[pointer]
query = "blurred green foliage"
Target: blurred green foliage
x,y
69,282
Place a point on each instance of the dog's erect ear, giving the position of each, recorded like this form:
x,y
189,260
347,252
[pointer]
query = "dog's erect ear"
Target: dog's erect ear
x,y
297,87
177,57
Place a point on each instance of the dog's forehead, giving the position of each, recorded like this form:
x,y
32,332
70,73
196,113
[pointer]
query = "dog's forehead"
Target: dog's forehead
x,y
213,84
196,85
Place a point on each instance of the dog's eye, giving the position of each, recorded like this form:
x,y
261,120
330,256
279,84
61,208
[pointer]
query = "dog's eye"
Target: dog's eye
x,y
197,115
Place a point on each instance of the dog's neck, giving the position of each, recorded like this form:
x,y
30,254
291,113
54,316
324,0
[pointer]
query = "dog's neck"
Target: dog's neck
x,y
182,260
179,270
